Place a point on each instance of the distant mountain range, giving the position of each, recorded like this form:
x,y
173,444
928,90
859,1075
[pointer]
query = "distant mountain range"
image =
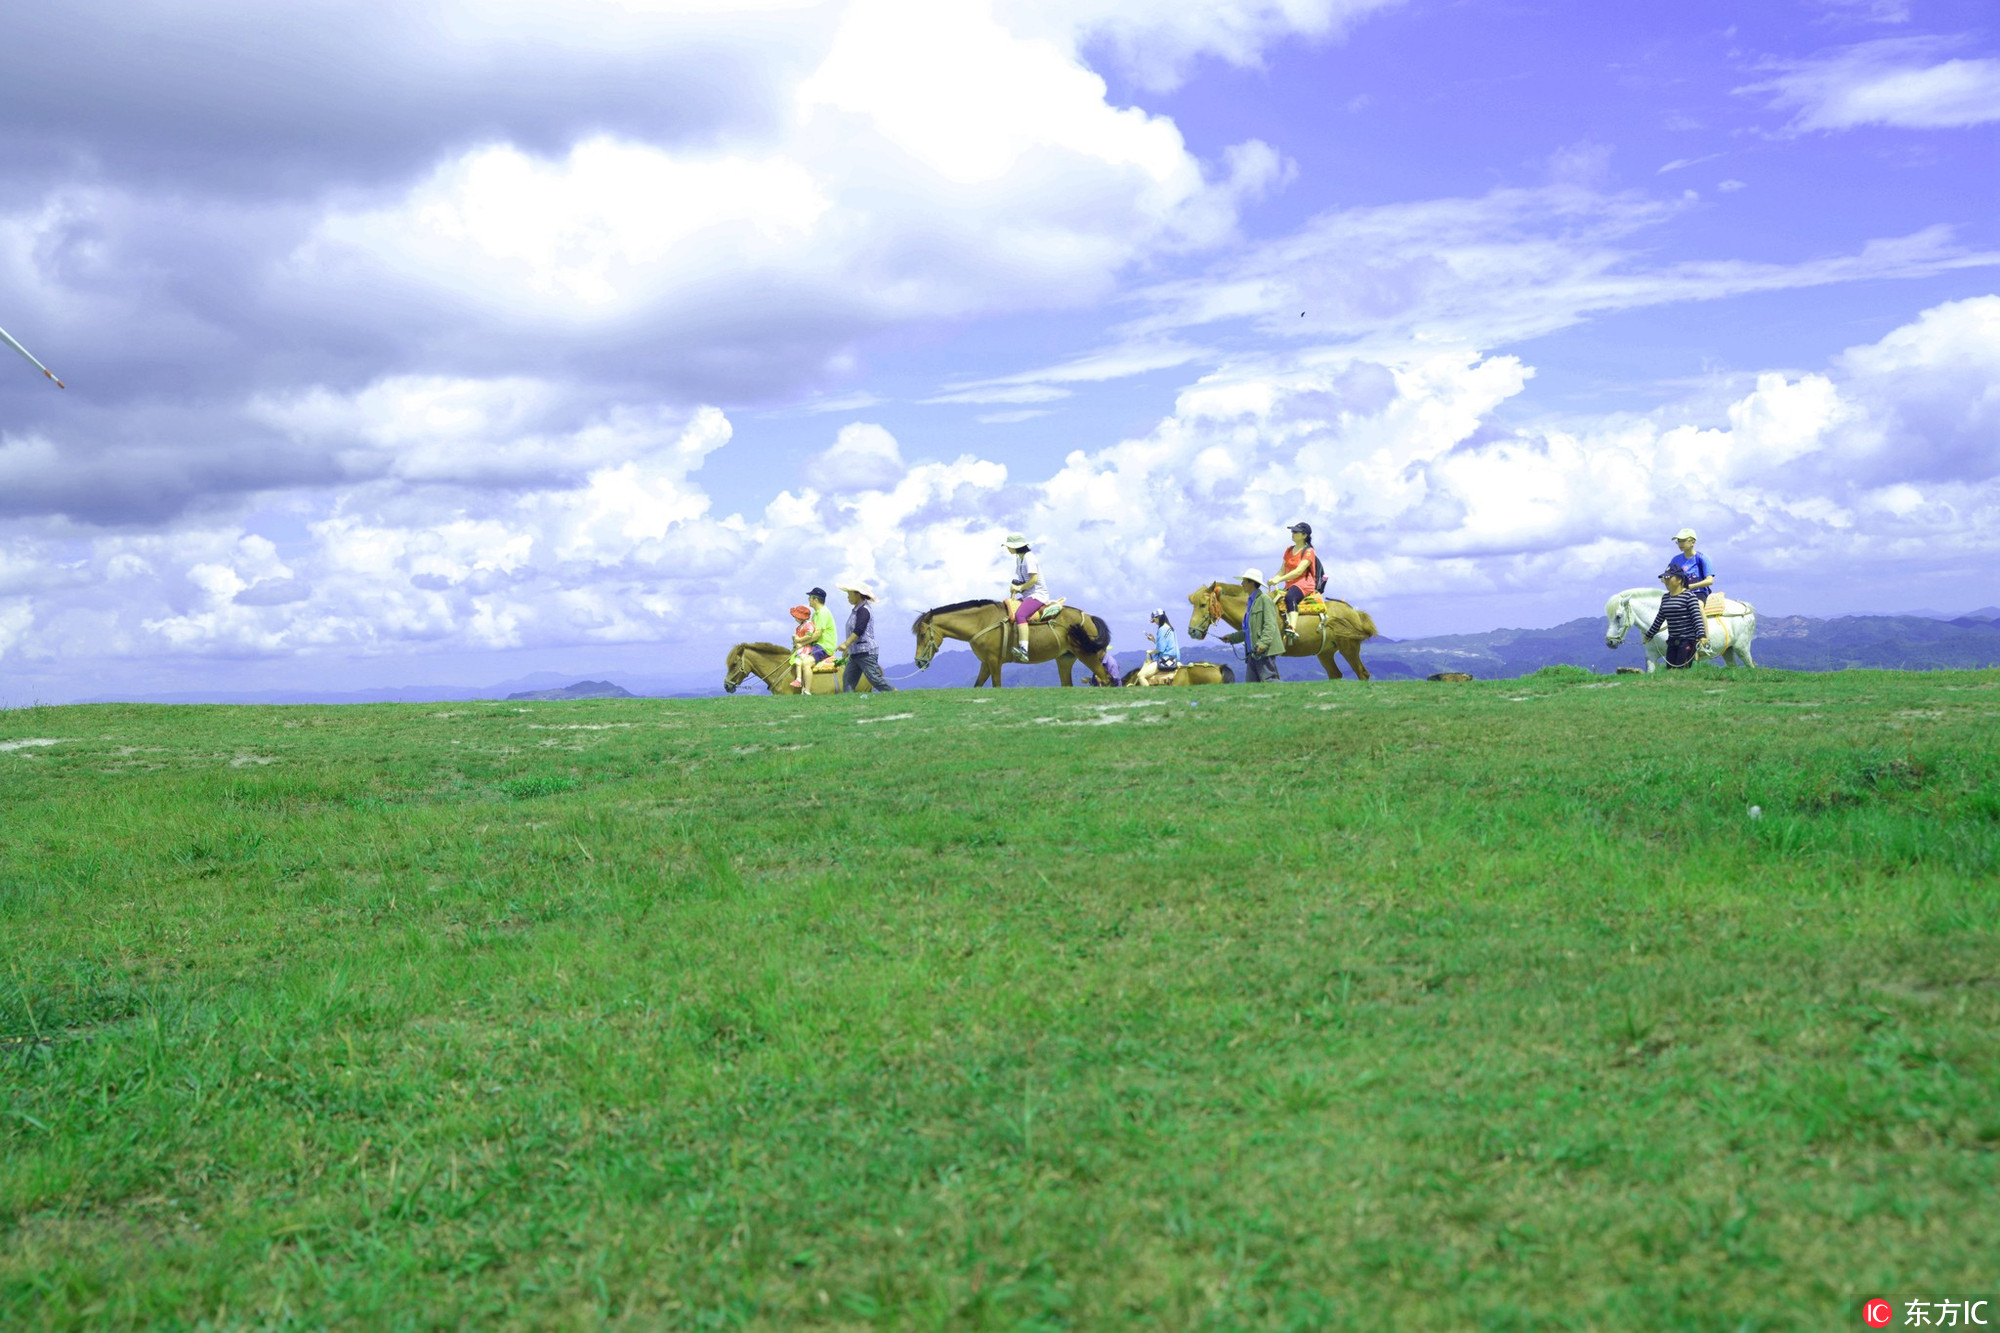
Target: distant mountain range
x,y
583,689
1799,643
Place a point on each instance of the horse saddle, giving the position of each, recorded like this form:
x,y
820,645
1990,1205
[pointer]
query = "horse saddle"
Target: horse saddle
x,y
831,664
1048,612
1716,606
1316,605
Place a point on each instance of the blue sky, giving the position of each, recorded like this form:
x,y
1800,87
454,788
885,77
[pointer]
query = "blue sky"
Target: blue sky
x,y
441,341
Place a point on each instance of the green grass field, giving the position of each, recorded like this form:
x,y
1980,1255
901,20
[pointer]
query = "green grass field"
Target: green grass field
x,y
1404,1005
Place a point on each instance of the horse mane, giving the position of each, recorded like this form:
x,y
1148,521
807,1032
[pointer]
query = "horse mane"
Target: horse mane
x,y
766,647
954,606
1627,595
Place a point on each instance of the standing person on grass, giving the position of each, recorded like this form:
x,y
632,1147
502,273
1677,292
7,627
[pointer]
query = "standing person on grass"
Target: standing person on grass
x,y
1680,612
1259,636
859,646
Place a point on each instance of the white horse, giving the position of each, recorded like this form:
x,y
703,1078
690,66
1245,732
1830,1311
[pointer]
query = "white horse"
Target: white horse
x,y
1729,634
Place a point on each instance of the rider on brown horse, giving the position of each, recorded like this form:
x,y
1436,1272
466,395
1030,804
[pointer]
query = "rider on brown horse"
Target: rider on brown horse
x,y
1299,571
1027,592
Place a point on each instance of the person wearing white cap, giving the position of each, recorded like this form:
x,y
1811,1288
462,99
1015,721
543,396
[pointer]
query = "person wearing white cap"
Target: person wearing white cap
x,y
1696,572
859,645
1027,593
1260,636
1165,654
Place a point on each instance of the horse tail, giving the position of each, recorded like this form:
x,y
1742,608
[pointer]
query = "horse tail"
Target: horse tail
x,y
1228,674
1082,640
1367,624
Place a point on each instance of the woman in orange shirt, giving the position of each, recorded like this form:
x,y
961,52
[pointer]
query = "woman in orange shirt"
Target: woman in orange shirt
x,y
1298,570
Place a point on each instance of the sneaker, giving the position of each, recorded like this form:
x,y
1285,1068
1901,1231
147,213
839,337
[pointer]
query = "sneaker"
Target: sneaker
x,y
1020,654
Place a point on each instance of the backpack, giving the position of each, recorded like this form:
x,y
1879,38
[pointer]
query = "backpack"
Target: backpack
x,y
1319,573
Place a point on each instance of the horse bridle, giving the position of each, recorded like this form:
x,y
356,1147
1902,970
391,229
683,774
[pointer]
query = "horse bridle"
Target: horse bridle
x,y
932,638
730,686
1213,608
1625,619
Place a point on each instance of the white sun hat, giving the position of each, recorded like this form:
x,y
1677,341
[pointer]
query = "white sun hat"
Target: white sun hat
x,y
858,586
1686,534
1014,541
1256,574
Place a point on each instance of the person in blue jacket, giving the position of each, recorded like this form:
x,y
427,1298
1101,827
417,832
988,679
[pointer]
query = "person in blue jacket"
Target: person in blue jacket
x,y
1165,654
1696,572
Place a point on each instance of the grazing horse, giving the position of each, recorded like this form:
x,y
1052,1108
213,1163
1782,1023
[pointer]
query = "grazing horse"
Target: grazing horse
x,y
1188,673
773,665
1074,636
1342,631
1729,634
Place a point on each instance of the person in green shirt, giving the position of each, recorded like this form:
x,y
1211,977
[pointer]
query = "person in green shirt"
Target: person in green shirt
x,y
820,645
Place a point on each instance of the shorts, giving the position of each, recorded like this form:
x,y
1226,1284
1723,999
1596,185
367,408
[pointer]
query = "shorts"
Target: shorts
x,y
1029,606
813,651
1294,594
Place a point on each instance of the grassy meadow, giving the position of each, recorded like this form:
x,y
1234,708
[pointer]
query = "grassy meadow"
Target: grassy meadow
x,y
1323,1005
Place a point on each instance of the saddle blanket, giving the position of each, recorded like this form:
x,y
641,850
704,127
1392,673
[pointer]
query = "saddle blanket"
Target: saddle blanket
x,y
829,665
1048,612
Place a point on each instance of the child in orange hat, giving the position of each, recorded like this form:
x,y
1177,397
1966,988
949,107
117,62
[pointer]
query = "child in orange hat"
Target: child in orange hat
x,y
804,637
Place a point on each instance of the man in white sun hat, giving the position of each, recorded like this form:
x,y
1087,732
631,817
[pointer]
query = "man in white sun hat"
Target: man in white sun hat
x,y
1027,593
1260,636
859,645
1696,572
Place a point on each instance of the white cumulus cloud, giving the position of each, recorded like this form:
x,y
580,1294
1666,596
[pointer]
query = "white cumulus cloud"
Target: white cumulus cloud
x,y
1899,82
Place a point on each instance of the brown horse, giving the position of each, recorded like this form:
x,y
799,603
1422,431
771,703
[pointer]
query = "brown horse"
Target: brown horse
x,y
1342,631
773,665
1074,636
1190,673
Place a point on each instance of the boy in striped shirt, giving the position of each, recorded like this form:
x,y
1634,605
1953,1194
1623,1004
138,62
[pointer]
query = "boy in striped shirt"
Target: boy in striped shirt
x,y
1680,612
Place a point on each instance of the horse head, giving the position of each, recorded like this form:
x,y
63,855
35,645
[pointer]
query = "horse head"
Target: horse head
x,y
1618,617
735,669
1207,603
929,639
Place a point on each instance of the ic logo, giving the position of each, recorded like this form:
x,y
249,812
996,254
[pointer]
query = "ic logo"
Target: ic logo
x,y
1878,1314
